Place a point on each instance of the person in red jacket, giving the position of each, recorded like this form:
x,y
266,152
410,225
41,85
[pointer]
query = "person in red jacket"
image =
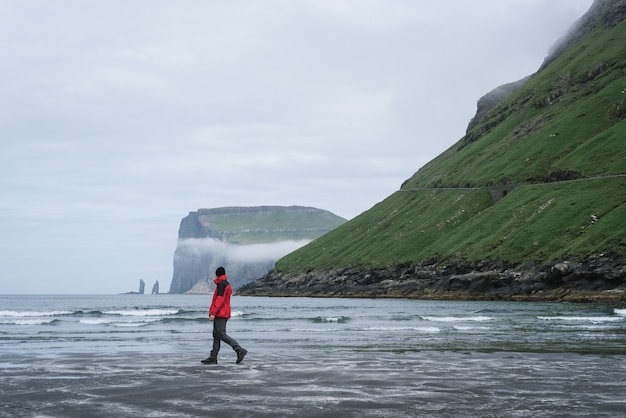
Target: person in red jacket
x,y
219,313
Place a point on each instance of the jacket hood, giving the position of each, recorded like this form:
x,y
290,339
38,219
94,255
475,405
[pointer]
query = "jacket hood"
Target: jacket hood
x,y
220,279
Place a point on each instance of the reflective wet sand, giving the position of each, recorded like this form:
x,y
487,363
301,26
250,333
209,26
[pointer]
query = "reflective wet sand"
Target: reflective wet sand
x,y
333,383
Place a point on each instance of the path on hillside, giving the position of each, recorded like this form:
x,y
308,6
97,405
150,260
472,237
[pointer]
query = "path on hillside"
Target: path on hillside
x,y
511,186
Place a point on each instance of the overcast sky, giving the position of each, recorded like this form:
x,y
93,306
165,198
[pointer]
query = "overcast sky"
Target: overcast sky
x,y
118,118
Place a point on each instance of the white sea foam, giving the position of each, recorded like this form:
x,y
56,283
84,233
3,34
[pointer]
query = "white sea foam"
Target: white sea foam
x,y
621,312
26,322
116,322
469,328
332,319
367,329
95,321
314,329
28,314
131,324
416,329
458,318
589,327
142,312
594,319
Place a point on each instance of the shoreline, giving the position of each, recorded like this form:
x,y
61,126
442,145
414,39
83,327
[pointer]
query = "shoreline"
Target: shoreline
x,y
594,278
559,295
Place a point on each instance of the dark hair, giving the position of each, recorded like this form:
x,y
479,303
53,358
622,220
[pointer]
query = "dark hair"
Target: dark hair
x,y
220,271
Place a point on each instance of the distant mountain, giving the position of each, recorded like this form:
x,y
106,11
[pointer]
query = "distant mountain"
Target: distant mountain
x,y
529,204
247,241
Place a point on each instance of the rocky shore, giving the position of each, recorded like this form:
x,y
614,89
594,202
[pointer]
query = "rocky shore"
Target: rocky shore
x,y
594,278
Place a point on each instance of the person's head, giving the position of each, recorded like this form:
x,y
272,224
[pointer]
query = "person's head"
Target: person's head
x,y
220,271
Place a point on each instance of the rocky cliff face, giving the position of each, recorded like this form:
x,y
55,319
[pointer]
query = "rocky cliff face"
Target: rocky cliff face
x,y
602,13
589,279
491,99
247,241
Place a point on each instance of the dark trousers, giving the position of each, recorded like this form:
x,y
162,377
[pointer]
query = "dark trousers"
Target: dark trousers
x,y
219,335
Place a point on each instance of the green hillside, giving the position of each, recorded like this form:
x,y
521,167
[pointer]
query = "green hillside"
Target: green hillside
x,y
558,144
566,122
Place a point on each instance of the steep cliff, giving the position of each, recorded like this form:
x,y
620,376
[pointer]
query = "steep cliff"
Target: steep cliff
x,y
247,241
529,204
603,13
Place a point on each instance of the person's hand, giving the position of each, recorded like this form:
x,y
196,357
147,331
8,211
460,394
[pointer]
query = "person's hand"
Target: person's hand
x,y
211,317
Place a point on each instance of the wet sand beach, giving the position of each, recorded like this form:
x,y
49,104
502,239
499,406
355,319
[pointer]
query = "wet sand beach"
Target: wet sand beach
x,y
333,383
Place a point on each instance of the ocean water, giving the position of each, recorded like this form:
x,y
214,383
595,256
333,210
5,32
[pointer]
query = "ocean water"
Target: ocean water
x,y
139,355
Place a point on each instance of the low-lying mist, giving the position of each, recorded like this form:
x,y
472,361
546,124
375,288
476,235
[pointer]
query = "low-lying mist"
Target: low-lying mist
x,y
239,252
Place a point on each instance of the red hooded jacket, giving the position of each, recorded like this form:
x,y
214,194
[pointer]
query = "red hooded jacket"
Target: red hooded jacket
x,y
220,306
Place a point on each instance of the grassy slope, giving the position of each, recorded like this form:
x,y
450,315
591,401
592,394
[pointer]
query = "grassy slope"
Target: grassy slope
x,y
566,122
525,138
